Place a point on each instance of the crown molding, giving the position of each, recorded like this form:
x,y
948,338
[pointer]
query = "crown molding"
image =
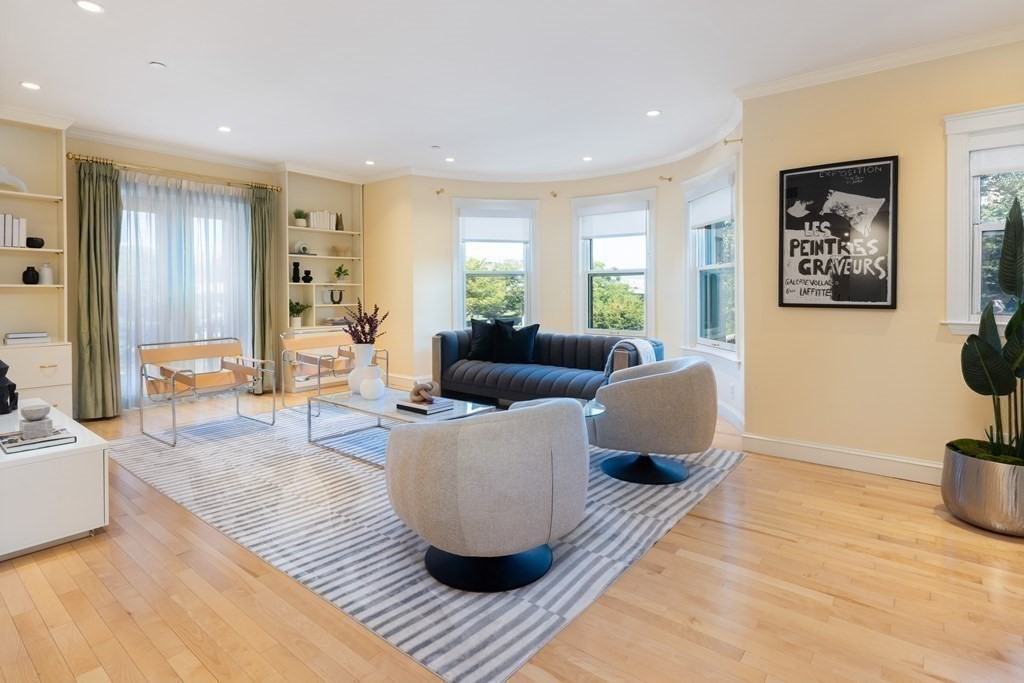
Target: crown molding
x,y
714,139
924,53
291,167
164,148
34,118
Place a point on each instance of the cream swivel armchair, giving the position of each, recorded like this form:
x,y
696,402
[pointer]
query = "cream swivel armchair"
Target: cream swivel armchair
x,y
666,407
490,492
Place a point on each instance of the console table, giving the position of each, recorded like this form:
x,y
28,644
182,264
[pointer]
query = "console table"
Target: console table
x,y
51,495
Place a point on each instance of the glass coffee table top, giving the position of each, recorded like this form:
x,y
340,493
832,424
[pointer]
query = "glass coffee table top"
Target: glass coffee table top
x,y
591,408
385,409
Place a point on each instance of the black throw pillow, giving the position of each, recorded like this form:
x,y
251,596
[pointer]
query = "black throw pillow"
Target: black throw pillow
x,y
481,340
512,345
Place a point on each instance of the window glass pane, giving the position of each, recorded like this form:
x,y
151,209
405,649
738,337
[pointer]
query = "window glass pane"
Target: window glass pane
x,y
616,302
718,305
618,253
495,296
991,244
495,255
716,244
997,193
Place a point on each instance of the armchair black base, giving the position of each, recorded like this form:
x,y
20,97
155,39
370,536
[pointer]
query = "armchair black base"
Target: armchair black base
x,y
488,574
643,469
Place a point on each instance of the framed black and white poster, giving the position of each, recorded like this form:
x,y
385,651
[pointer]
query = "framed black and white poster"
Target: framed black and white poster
x,y
837,235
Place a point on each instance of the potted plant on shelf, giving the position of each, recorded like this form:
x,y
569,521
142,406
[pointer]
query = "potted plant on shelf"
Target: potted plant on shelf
x,y
295,311
341,273
983,480
364,327
300,217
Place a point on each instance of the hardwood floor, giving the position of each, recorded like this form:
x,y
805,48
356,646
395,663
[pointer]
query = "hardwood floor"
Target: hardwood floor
x,y
786,572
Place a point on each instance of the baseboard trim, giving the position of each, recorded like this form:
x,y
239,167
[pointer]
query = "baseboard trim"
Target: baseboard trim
x,y
731,415
896,466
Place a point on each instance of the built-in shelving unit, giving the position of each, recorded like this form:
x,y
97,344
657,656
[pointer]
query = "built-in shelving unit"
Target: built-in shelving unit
x,y
33,150
34,153
327,249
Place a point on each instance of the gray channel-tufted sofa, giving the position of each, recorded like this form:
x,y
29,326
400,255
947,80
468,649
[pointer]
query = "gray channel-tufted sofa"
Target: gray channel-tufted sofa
x,y
565,365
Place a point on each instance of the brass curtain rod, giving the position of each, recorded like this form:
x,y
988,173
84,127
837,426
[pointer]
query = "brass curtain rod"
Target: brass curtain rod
x,y
152,169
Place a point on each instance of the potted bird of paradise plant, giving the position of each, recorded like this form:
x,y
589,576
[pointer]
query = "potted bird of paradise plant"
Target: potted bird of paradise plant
x,y
983,480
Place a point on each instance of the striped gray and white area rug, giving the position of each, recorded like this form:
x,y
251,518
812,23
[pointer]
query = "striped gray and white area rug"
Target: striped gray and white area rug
x,y
324,519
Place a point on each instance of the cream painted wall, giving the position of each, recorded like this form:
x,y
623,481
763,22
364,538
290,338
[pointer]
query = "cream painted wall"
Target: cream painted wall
x,y
879,381
413,225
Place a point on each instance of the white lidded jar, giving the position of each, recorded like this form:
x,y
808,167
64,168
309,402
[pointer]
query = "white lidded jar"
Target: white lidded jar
x,y
46,275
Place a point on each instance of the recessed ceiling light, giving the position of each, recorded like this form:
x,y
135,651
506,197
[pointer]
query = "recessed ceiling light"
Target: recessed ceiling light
x,y
588,158
224,129
30,86
93,7
450,159
654,112
435,147
368,162
157,65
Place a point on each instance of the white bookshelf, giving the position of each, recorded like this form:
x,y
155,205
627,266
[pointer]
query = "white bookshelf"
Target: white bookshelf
x,y
33,150
328,250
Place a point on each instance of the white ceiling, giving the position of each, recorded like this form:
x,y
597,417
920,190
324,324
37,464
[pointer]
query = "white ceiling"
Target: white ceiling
x,y
516,90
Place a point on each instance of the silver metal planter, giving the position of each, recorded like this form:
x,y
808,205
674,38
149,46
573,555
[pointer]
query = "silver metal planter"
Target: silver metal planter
x,y
986,494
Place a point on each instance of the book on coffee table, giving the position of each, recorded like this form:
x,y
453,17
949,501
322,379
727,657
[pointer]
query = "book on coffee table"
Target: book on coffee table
x,y
438,406
12,442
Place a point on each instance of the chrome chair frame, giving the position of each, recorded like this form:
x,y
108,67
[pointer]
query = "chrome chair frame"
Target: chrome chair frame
x,y
255,368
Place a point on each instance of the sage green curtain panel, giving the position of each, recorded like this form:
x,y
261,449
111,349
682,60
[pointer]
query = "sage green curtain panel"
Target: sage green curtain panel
x,y
98,373
264,216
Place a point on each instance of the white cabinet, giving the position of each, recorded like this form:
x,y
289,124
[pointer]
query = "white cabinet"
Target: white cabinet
x,y
51,495
42,371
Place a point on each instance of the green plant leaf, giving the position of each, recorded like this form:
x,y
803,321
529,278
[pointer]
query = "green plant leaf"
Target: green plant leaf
x,y
984,369
988,330
1011,259
1016,321
1013,350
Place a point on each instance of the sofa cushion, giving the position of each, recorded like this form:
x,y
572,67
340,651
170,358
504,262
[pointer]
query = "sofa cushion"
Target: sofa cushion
x,y
481,340
521,381
512,345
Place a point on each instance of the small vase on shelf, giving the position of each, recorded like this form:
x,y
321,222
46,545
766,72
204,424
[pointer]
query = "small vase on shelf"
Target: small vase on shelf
x,y
295,272
308,277
363,358
372,387
46,275
30,276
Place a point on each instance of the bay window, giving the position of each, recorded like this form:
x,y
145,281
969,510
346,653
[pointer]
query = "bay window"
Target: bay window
x,y
493,260
713,261
614,262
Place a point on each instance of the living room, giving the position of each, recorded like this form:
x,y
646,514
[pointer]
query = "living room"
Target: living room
x,y
681,383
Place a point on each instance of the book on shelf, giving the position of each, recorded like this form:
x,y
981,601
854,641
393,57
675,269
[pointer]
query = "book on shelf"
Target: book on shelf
x,y
25,335
12,442
438,406
15,341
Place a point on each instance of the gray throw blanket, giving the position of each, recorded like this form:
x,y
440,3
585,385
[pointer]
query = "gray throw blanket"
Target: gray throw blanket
x,y
644,350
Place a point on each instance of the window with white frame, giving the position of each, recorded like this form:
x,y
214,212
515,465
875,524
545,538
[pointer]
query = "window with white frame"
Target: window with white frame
x,y
985,172
614,262
493,260
713,260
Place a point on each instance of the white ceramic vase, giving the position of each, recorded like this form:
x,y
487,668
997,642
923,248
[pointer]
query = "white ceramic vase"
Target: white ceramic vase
x,y
372,387
363,358
297,321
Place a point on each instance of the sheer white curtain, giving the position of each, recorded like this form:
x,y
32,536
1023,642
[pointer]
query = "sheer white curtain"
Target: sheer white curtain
x,y
184,267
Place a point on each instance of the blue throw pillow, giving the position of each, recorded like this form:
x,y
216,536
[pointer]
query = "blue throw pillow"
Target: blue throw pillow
x,y
481,340
512,345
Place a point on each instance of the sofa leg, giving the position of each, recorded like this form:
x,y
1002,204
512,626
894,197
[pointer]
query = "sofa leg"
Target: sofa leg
x,y
643,469
488,574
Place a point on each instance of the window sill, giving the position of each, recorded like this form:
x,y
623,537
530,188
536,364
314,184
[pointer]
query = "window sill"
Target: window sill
x,y
726,354
964,328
